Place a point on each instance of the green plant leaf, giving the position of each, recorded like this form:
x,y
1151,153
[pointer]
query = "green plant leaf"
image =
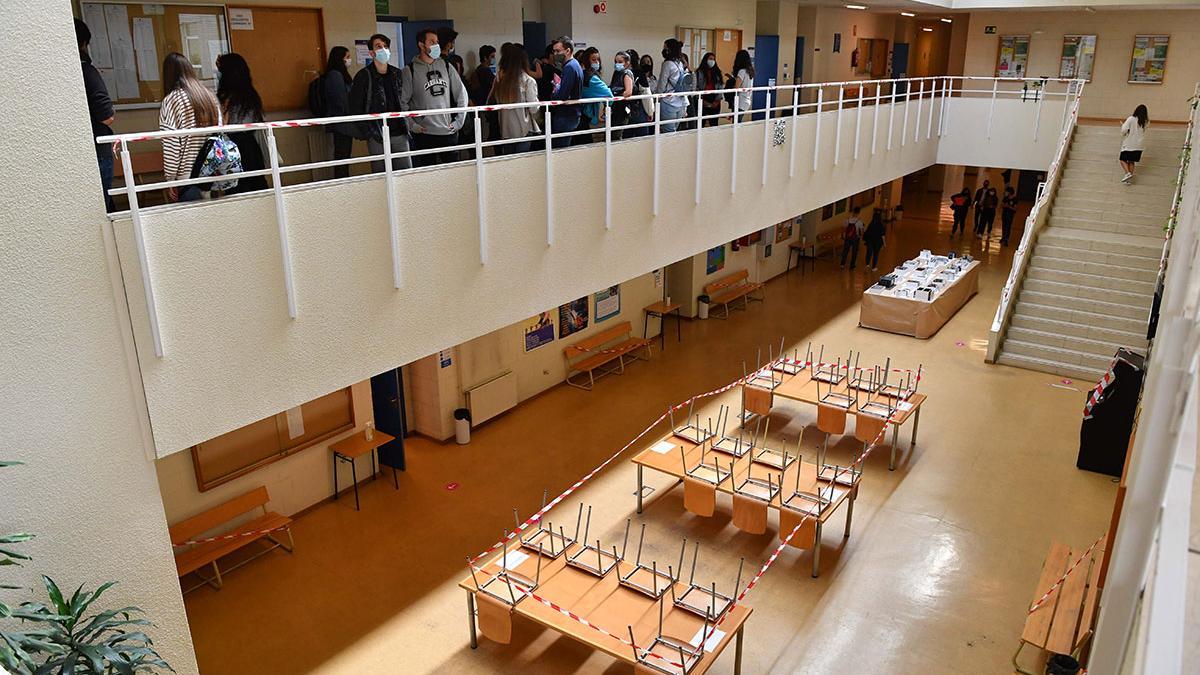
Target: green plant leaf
x,y
4,463
15,538
87,599
56,597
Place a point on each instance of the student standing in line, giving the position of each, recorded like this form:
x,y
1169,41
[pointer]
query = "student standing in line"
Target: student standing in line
x,y
241,104
646,67
514,84
621,85
446,37
743,70
987,217
960,203
186,104
479,87
1007,215
689,84
1133,141
548,80
431,83
709,78
672,78
594,88
336,85
851,234
100,110
873,237
378,88
977,203
565,118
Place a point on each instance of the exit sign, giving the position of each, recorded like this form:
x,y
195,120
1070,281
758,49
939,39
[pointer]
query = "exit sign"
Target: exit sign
x,y
989,30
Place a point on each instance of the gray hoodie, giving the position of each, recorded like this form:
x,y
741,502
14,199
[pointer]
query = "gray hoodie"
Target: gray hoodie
x,y
437,86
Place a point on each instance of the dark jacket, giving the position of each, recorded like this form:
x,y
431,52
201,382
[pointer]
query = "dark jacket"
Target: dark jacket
x,y
337,101
100,106
875,231
570,88
373,92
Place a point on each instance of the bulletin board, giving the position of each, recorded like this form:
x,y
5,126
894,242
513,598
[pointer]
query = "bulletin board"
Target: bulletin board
x,y
1078,57
1012,56
281,68
129,41
1148,63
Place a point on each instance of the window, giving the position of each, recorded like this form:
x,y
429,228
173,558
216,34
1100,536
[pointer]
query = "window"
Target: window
x,y
256,445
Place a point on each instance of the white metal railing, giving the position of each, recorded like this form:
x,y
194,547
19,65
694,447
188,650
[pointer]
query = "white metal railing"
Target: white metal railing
x,y
1033,225
789,101
1176,197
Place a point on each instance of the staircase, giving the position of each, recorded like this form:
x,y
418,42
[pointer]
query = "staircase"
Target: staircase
x,y
1090,281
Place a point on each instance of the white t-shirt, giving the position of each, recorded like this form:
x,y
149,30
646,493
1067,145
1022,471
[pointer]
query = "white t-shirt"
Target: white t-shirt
x,y
744,80
1133,135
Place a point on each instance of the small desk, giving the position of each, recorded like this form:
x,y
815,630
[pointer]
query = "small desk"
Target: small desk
x,y
349,449
798,249
661,310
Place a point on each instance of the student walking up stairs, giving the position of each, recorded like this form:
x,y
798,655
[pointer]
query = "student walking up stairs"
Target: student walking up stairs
x,y
1090,283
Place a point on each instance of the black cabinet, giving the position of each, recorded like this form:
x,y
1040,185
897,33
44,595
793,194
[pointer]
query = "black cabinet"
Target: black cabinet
x,y
387,397
1104,434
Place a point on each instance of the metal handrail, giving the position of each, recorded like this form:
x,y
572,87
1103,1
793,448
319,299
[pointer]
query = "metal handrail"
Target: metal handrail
x,y
1176,197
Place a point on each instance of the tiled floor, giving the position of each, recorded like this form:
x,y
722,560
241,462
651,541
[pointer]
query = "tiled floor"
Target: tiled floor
x,y
935,577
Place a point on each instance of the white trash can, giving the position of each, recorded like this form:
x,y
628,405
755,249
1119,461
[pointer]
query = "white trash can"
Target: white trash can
x,y
462,426
702,307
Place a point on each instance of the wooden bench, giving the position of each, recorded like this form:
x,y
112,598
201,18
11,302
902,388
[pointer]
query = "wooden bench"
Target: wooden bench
x,y
601,349
1063,623
727,289
197,556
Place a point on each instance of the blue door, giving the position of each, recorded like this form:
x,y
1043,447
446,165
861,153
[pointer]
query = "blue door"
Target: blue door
x,y
387,402
900,64
766,64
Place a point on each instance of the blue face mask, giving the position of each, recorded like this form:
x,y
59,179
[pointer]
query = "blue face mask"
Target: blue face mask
x,y
596,66
492,68
435,51
383,55
618,67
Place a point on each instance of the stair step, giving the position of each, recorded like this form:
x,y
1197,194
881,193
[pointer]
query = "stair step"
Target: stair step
x,y
1098,257
1099,212
1129,279
1097,162
1112,171
1103,226
1025,307
1101,348
1066,302
1122,198
1081,330
1109,242
1085,375
1038,283
1065,356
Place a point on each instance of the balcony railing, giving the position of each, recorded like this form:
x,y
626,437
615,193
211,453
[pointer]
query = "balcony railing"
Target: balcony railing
x,y
779,103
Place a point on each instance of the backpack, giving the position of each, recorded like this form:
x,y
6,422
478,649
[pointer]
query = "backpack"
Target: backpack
x,y
730,83
316,97
685,81
850,231
219,156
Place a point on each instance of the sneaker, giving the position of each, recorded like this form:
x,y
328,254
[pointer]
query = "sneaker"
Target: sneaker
x,y
1127,179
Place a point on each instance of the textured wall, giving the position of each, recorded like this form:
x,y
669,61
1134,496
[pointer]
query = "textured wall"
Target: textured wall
x,y
68,406
234,356
1012,144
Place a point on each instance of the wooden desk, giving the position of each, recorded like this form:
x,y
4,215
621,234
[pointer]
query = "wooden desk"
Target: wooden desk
x,y
661,309
603,602
351,448
801,387
671,463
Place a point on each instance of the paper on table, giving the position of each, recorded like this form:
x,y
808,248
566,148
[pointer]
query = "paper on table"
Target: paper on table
x,y
905,405
146,49
515,558
663,447
713,640
93,16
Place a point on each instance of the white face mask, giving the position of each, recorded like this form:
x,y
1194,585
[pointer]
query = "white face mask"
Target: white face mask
x,y
347,61
712,63
383,54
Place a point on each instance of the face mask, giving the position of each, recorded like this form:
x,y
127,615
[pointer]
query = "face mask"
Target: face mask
x,y
435,51
619,67
596,66
664,53
712,63
492,68
560,59
347,62
382,55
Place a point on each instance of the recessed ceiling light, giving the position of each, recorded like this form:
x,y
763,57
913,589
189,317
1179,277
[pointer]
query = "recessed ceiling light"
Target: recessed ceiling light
x,y
856,6
945,20
907,14
927,29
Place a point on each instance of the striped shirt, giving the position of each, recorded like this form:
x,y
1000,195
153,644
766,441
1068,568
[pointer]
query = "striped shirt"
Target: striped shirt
x,y
179,154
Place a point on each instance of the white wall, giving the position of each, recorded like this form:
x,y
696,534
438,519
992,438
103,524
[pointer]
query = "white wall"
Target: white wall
x,y
1108,94
1012,144
69,406
233,355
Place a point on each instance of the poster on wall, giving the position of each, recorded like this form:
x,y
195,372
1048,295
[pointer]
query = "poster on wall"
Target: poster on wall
x,y
1078,57
1012,56
539,331
572,317
783,231
658,278
1148,64
608,303
716,259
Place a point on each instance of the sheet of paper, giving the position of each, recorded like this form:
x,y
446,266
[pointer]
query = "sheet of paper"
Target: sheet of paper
x,y
515,558
98,49
295,422
905,405
153,8
202,42
663,447
145,49
121,43
713,640
241,18
362,52
110,80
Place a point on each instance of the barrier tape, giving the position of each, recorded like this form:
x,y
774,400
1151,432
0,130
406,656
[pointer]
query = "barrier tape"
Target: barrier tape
x,y
1046,596
232,535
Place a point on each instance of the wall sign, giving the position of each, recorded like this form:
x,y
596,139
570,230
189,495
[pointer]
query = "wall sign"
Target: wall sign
x,y
1148,64
444,358
241,18
989,30
608,303
539,331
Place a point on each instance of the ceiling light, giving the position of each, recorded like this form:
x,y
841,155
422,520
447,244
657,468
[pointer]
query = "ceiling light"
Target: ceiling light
x,y
907,14
927,29
856,6
945,20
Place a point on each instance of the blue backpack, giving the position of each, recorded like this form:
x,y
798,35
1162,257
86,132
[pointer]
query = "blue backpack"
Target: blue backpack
x,y
219,156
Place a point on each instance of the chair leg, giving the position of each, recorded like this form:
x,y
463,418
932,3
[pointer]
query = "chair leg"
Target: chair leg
x,y
217,576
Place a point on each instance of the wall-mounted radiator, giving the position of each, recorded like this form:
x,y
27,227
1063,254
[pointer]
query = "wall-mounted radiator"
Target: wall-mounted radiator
x,y
491,398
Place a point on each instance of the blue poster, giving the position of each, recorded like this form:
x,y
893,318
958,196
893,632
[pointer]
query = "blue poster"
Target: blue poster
x,y
572,317
539,331
716,259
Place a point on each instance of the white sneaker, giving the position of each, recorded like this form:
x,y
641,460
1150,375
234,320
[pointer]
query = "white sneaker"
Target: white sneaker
x,y
1127,179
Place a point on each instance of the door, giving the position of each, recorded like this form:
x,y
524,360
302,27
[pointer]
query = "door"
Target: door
x,y
766,63
387,402
798,73
728,42
900,65
533,34
409,31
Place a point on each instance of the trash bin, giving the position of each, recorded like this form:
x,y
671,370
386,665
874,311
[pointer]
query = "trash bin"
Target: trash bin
x,y
1062,664
462,426
702,310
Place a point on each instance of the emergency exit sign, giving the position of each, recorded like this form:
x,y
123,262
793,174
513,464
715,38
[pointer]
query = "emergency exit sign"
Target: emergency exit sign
x,y
989,30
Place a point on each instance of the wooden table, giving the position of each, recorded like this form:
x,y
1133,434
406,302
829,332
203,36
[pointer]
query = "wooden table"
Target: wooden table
x,y
798,249
671,463
603,602
355,446
662,309
919,318
801,387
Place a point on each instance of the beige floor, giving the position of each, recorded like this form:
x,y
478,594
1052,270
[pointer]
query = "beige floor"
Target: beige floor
x,y
935,577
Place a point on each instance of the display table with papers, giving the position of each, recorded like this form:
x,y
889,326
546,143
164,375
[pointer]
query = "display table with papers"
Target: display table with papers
x,y
920,296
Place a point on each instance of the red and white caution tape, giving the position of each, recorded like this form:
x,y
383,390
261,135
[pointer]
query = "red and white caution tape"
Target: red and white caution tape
x,y
1046,596
231,535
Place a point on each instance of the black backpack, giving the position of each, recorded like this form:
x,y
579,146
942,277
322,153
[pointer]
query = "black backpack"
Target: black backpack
x,y
730,83
316,97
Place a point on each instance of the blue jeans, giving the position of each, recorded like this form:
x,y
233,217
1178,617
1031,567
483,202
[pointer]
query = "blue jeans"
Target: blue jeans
x,y
563,123
106,176
670,114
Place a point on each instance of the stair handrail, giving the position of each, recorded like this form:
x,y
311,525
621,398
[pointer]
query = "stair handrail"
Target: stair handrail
x,y
1037,217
